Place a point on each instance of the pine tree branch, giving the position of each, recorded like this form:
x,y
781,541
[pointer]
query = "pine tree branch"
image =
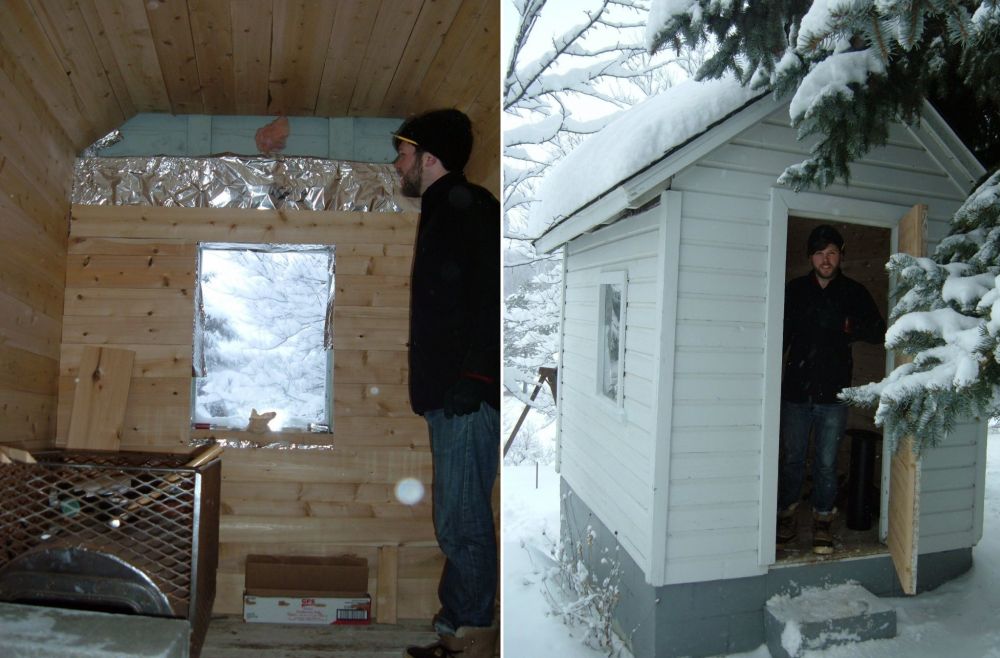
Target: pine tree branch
x,y
916,19
879,39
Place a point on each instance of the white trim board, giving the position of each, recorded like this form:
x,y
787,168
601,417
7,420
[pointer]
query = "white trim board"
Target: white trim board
x,y
669,257
947,149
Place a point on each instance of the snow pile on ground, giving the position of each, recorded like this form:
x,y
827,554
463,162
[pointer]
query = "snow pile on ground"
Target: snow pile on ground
x,y
957,620
534,606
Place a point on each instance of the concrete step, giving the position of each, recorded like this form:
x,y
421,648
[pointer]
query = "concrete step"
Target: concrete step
x,y
822,617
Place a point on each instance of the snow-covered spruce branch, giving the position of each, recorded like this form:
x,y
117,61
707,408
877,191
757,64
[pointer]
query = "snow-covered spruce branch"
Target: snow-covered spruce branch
x,y
854,65
948,319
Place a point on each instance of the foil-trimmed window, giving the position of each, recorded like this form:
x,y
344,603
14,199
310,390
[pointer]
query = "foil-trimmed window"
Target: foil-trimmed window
x,y
263,336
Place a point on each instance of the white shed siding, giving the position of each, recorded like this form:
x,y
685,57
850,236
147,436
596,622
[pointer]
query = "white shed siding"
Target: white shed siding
x,y
714,495
951,497
606,452
714,522
706,318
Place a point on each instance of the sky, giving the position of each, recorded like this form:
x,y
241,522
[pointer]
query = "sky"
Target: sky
x,y
957,620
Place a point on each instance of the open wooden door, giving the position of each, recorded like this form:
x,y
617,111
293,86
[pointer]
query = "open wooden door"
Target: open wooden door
x,y
904,473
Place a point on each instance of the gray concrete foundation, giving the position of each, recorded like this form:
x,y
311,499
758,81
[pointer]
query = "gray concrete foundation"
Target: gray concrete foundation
x,y
724,616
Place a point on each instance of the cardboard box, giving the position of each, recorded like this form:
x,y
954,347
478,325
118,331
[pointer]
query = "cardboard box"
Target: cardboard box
x,y
307,590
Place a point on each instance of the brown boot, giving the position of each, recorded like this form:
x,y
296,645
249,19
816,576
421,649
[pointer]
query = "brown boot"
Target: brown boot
x,y
475,641
788,527
822,533
467,642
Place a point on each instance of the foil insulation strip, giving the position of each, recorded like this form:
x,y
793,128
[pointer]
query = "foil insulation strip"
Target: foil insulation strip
x,y
238,182
107,141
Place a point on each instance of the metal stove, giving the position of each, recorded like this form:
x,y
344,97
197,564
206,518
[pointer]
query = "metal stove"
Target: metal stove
x,y
121,532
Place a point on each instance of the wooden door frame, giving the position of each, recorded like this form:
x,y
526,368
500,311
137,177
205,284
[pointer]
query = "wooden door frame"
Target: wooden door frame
x,y
901,468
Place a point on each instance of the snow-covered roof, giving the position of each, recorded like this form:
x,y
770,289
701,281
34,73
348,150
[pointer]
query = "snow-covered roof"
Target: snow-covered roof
x,y
634,140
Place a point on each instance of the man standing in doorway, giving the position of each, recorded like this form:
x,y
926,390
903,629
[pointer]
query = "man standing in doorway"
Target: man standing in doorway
x,y
455,369
825,311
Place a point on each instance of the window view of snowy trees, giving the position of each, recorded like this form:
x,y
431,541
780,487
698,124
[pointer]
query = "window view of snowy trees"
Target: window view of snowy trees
x,y
261,332
611,340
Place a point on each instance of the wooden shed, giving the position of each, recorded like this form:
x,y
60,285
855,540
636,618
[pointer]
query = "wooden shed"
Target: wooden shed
x,y
71,71
669,381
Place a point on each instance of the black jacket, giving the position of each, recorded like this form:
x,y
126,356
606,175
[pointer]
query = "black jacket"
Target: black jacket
x,y
455,293
820,325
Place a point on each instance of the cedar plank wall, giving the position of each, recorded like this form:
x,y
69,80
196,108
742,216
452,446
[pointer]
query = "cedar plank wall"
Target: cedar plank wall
x,y
36,160
130,276
73,70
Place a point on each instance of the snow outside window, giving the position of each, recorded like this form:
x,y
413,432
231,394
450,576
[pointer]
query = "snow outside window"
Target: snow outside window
x,y
611,336
263,335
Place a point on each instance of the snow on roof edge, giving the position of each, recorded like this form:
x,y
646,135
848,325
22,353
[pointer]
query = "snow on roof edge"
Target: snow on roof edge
x,y
931,125
636,140
554,222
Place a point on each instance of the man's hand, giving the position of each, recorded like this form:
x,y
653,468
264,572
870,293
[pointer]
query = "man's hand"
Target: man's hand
x,y
466,396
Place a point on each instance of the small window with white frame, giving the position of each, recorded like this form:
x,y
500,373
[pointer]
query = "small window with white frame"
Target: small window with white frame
x,y
611,336
263,336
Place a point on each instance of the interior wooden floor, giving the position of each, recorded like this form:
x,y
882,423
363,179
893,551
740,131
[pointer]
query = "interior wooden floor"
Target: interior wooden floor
x,y
847,543
230,637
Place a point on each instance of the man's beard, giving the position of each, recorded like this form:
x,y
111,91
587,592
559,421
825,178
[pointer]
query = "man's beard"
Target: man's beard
x,y
410,180
833,274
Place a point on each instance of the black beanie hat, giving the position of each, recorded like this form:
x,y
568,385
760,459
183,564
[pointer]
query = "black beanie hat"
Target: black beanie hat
x,y
445,134
822,236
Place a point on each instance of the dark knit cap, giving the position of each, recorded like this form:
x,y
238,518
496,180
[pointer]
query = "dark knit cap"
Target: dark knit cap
x,y
822,236
445,134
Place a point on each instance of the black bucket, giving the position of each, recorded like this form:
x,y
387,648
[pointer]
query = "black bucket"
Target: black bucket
x,y
861,492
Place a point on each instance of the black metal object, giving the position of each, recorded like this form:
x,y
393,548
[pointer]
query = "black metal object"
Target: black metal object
x,y
77,578
118,532
861,492
549,375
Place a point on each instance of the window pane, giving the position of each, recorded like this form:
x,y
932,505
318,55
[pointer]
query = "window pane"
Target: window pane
x,y
611,300
262,336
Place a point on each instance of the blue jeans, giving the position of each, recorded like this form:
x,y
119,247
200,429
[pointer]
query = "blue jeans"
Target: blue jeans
x,y
466,452
827,423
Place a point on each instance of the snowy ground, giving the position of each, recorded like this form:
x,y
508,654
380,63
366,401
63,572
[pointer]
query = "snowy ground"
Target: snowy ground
x,y
958,620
